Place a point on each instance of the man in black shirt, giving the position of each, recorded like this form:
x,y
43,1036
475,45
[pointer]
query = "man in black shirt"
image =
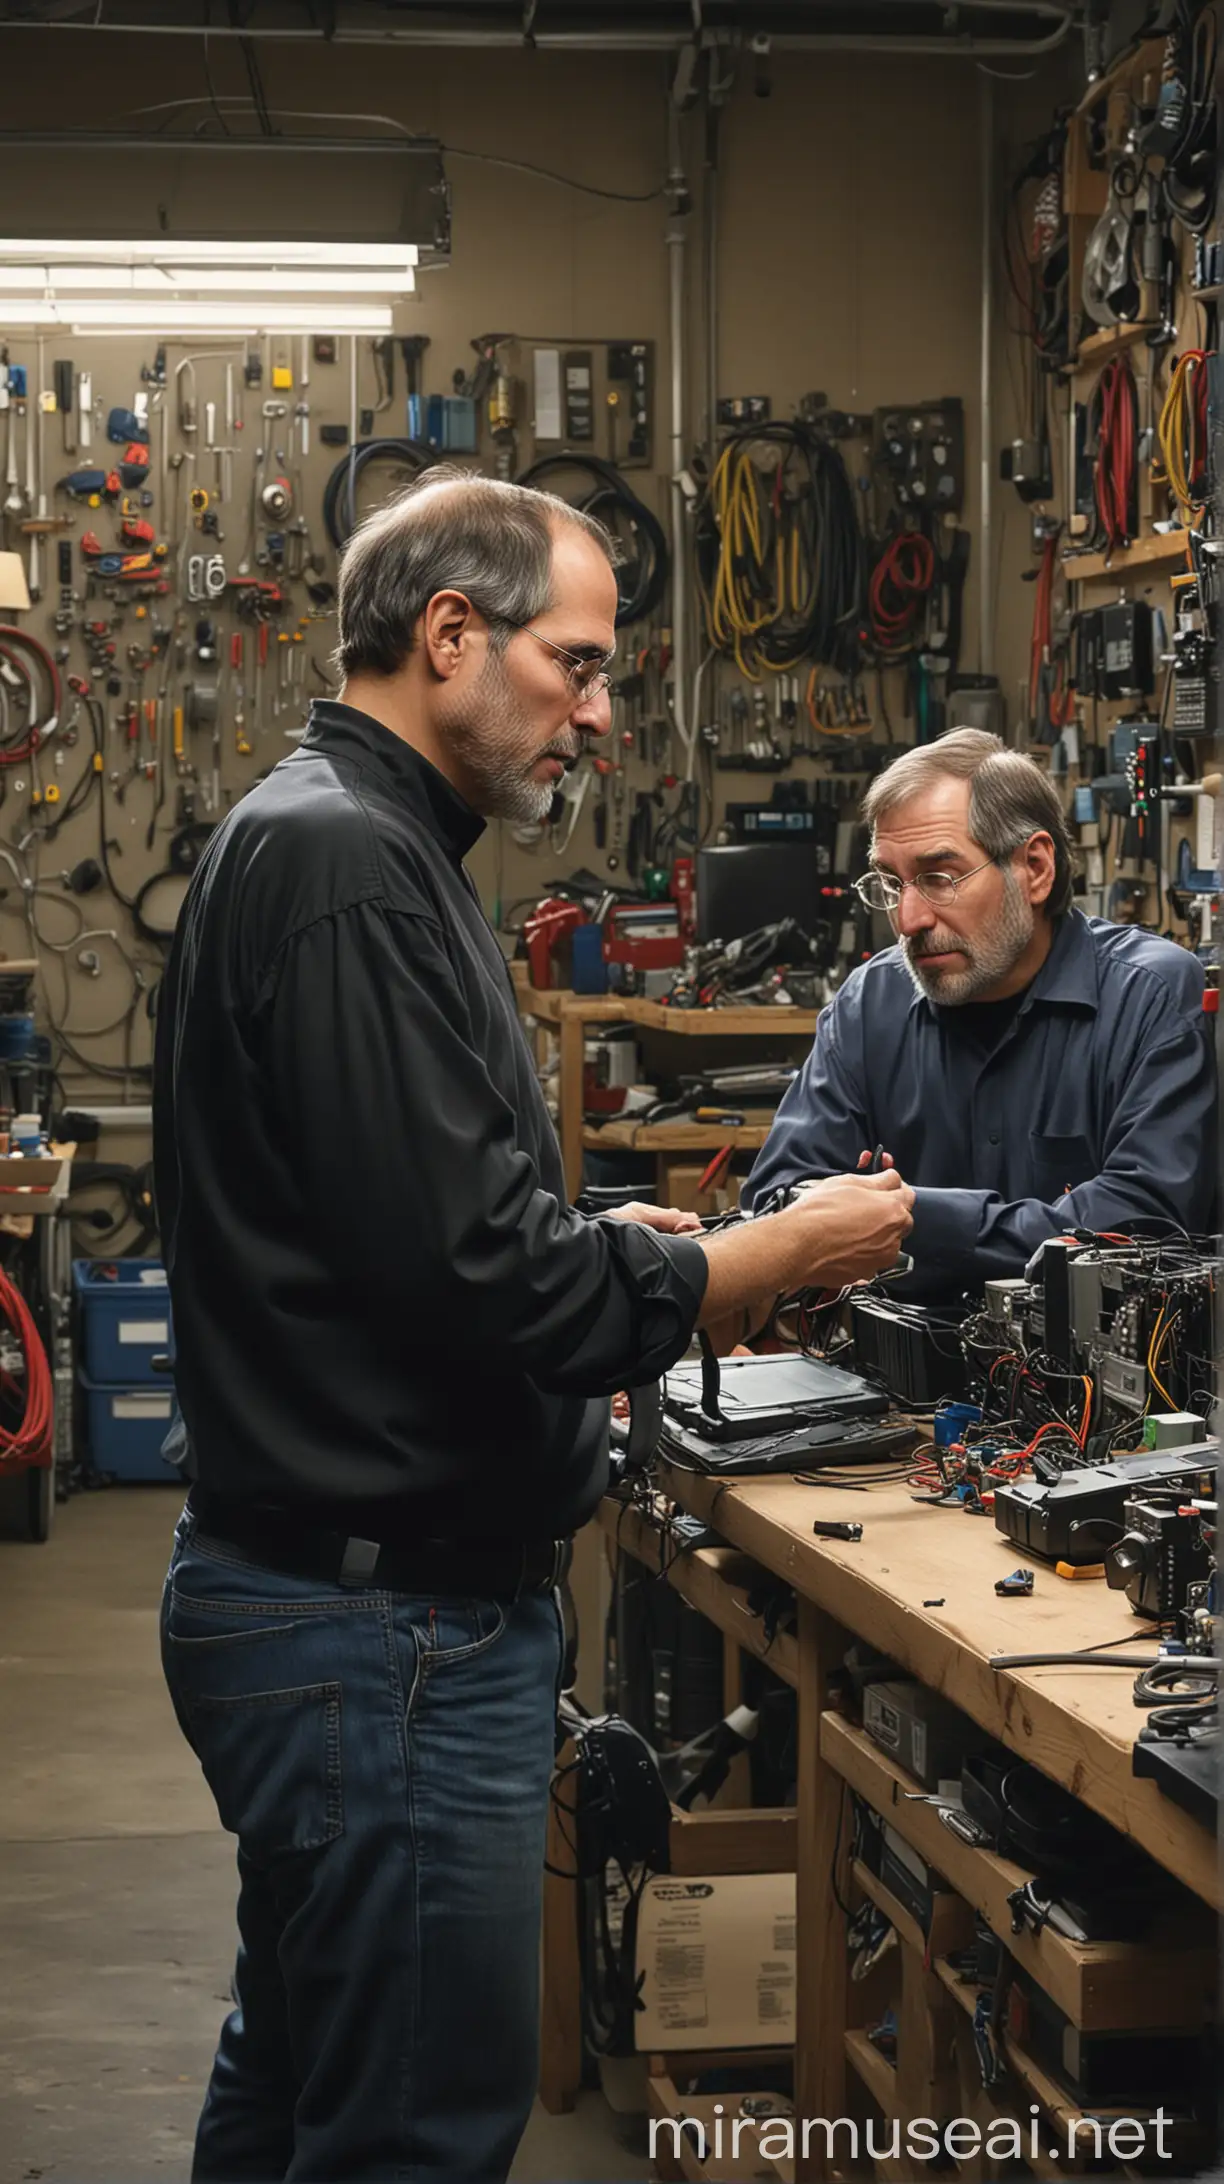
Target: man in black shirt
x,y
395,1345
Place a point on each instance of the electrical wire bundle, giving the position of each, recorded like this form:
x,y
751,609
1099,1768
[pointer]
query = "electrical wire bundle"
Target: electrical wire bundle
x,y
1186,117
30,1398
29,665
901,585
780,555
641,576
1051,703
1182,1697
1114,427
1182,432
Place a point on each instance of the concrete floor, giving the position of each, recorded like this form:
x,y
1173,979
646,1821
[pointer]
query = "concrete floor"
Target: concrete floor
x,y
116,1881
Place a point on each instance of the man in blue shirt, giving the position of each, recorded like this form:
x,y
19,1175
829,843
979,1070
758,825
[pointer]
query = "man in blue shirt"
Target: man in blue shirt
x,y
1030,1070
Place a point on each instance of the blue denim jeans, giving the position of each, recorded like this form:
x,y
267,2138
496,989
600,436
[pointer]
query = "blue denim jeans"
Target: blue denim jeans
x,y
384,1762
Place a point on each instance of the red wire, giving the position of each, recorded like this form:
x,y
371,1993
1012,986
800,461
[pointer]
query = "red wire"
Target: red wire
x,y
22,640
900,581
1117,451
32,1441
1061,703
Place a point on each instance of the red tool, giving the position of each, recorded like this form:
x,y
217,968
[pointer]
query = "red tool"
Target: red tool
x,y
544,930
684,894
646,935
715,1174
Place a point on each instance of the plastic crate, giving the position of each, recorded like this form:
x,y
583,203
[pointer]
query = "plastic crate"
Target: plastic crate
x,y
124,1320
125,1429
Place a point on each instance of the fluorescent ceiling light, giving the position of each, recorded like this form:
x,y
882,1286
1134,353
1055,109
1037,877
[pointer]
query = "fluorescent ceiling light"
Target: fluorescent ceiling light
x,y
93,314
159,251
54,281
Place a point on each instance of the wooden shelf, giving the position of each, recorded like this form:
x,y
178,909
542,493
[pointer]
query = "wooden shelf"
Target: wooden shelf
x,y
1103,1986
1162,550
674,1137
1096,349
758,1839
1054,2100
1081,1720
877,2073
1146,59
556,1006
715,1580
951,1917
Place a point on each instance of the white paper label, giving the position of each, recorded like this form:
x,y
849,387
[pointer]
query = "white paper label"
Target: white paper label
x,y
144,1330
140,1406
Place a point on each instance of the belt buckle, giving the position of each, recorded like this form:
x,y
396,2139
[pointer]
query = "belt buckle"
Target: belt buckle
x,y
359,1561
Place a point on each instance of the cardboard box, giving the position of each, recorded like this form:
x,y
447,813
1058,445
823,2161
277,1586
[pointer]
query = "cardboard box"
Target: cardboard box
x,y
716,1959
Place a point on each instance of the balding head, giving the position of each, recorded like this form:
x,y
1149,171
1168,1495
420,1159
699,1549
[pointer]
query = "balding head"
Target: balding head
x,y
453,531
477,622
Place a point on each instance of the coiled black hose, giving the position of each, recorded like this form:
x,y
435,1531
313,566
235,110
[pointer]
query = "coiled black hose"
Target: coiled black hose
x,y
340,492
642,577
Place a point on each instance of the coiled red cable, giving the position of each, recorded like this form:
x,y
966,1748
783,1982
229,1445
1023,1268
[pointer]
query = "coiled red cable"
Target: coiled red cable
x,y
28,659
1117,464
1051,703
31,1442
900,583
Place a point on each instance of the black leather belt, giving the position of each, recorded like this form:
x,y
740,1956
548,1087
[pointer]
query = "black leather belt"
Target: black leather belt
x,y
475,1569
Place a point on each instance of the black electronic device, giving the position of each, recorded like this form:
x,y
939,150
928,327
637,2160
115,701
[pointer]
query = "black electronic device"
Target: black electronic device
x,y
1188,1773
787,823
1195,652
805,1448
1078,1517
768,1395
1161,1554
578,392
753,1415
742,886
630,402
915,1352
1126,636
1139,2069
1136,1318
918,458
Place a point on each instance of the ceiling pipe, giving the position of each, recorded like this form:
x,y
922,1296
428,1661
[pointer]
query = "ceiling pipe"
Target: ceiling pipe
x,y
378,31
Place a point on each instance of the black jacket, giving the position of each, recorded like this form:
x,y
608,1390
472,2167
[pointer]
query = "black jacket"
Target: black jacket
x,y
382,1302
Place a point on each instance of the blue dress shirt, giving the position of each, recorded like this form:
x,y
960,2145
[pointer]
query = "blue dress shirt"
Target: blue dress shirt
x,y
1095,1110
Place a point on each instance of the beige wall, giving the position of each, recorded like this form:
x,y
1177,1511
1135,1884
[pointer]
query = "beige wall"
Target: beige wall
x,y
849,262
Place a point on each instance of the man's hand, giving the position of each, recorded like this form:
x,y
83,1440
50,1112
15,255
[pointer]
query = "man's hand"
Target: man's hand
x,y
842,1229
857,1225
865,1160
669,1220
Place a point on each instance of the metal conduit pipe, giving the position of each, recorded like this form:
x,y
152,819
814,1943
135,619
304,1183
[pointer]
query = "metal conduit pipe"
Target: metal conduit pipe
x,y
376,31
678,192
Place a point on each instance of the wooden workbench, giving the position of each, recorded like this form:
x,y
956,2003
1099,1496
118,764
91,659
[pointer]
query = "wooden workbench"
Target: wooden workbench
x,y
568,1014
919,1586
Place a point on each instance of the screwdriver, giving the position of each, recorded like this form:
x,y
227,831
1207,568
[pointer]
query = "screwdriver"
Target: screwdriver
x,y
241,744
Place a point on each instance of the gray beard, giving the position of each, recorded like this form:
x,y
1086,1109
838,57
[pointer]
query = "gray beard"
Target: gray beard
x,y
990,958
491,743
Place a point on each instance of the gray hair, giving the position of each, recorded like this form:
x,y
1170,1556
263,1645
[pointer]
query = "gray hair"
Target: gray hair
x,y
1010,798
452,530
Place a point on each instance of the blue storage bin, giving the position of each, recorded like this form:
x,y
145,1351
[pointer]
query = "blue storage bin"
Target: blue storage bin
x,y
124,1320
125,1428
